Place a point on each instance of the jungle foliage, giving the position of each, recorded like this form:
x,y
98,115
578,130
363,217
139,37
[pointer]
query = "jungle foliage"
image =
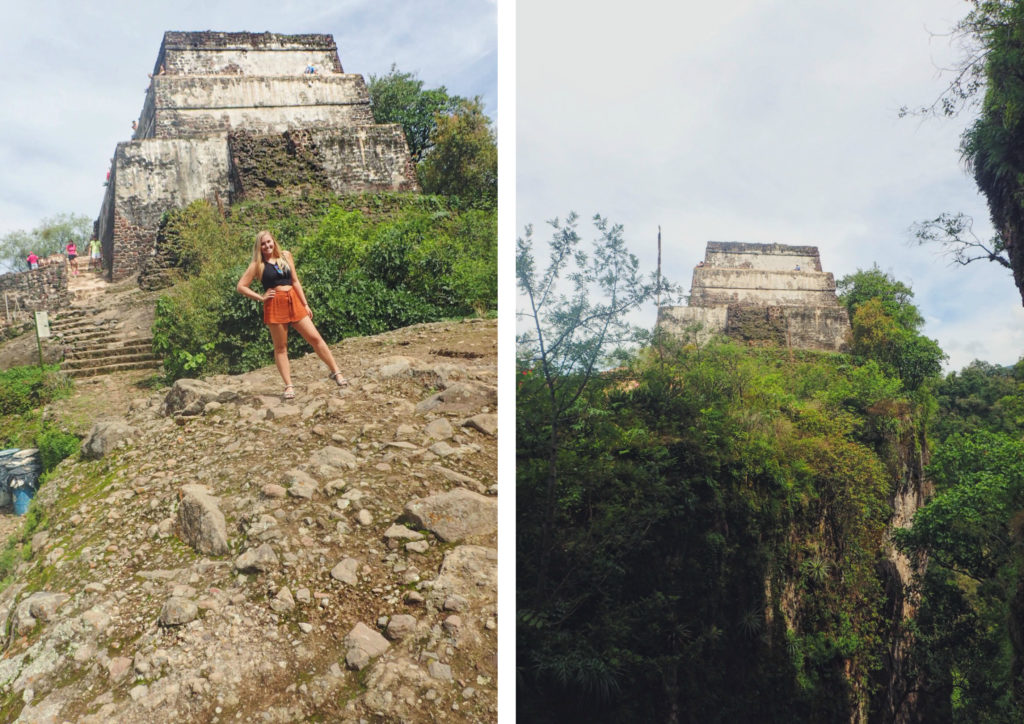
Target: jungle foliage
x,y
705,534
720,513
367,264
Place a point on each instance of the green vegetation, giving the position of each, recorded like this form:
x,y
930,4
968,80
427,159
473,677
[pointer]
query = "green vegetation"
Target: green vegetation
x,y
704,534
720,515
991,37
463,162
400,98
367,263
450,138
25,388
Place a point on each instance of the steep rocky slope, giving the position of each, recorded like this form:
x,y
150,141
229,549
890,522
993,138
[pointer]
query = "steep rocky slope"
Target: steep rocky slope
x,y
217,554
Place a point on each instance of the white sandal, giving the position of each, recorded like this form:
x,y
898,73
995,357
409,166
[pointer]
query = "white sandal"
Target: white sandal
x,y
338,378
289,392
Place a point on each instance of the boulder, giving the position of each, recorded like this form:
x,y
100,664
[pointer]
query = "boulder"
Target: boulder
x,y
106,436
460,397
201,521
363,643
189,397
455,515
334,457
177,611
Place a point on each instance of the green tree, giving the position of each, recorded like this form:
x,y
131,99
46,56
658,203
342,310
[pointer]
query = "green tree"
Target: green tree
x,y
463,161
973,594
886,326
571,334
400,98
992,36
49,237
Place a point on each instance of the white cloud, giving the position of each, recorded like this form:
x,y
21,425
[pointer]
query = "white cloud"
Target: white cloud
x,y
759,121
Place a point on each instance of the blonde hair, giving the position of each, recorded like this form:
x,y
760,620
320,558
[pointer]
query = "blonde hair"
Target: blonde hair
x,y
257,253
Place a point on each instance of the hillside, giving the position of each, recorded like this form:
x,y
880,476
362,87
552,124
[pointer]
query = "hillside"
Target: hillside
x,y
351,538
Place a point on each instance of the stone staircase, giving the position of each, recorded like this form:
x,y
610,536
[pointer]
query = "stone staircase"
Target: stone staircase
x,y
95,339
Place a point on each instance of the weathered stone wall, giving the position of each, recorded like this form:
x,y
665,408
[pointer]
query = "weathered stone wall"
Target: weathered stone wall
x,y
343,160
817,327
755,294
741,255
151,176
693,325
183,105
213,53
42,289
712,285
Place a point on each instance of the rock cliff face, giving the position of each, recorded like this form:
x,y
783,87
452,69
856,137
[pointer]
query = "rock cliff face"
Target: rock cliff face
x,y
222,555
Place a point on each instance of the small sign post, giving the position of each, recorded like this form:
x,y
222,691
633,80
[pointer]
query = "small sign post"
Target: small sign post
x,y
42,332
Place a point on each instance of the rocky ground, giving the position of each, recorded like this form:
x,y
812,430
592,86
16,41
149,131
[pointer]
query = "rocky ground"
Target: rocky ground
x,y
219,554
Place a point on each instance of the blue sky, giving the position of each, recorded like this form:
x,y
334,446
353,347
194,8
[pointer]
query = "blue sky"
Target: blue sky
x,y
72,75
763,121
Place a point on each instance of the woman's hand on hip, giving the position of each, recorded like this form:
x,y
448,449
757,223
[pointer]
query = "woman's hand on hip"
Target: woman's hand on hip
x,y
270,293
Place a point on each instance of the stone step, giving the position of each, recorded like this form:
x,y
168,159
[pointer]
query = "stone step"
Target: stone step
x,y
95,359
107,352
108,369
113,345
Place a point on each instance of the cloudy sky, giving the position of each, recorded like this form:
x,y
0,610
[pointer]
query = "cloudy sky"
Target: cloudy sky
x,y
73,74
765,121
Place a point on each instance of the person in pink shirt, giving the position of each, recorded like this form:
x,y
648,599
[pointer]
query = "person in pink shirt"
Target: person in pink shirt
x,y
72,251
33,260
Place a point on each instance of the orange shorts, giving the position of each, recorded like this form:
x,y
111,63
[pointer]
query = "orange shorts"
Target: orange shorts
x,y
283,308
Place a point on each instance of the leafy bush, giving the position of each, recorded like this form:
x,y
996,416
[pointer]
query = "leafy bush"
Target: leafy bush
x,y
367,264
25,388
55,445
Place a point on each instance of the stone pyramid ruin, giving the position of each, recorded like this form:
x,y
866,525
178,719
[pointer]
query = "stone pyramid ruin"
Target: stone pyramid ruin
x,y
232,115
761,294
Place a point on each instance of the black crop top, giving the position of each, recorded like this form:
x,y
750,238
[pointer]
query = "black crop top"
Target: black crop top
x,y
276,275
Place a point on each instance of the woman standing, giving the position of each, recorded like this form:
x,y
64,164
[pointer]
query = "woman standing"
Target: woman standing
x,y
72,252
284,303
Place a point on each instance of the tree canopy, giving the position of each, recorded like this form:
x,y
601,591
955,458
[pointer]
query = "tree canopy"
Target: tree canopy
x,y
463,159
886,326
401,98
992,65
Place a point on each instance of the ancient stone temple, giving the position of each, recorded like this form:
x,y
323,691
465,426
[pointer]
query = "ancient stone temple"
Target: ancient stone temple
x,y
761,294
230,115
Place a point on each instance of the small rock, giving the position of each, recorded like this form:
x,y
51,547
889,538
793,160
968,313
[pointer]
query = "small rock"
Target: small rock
x,y
400,626
272,490
178,611
283,601
261,560
364,517
346,571
439,429
439,671
485,423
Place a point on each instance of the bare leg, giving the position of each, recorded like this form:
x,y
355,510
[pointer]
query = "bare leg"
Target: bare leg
x,y
305,327
279,333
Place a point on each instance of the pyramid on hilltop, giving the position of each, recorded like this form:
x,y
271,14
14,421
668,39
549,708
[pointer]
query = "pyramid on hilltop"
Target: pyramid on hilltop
x,y
232,115
761,294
